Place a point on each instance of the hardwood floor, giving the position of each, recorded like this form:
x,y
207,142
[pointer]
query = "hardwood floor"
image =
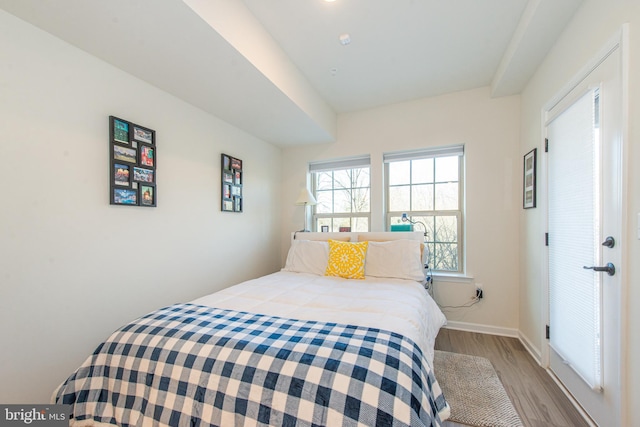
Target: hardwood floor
x,y
534,394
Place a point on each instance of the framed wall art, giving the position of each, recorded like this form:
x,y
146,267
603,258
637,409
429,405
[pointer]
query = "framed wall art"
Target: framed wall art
x,y
132,162
232,184
529,180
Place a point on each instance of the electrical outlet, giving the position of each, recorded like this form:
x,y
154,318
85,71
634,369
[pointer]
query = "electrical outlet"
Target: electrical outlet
x,y
479,291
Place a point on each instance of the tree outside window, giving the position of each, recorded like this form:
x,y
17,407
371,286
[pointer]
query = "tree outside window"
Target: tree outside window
x,y
343,197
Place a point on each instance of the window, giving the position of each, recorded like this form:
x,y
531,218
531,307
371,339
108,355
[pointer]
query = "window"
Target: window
x,y
342,189
427,185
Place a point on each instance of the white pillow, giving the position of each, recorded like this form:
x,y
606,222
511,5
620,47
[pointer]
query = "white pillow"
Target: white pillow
x,y
396,258
308,256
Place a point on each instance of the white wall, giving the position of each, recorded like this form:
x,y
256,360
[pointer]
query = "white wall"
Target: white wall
x,y
72,267
594,24
489,128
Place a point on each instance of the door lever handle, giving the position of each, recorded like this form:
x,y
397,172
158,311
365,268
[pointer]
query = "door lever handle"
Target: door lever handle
x,y
609,268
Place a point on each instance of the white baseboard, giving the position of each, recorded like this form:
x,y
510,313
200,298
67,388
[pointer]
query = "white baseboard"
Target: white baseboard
x,y
482,329
533,351
495,330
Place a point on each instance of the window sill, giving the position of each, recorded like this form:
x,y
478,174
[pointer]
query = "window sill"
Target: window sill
x,y
455,278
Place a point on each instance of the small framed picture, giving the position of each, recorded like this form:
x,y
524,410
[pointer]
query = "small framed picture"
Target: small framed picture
x,y
529,180
325,228
231,200
345,229
227,205
142,175
143,135
122,196
124,154
147,156
147,195
121,174
120,131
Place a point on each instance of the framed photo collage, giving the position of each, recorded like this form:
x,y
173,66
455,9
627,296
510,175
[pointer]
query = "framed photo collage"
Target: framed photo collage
x,y
132,163
232,179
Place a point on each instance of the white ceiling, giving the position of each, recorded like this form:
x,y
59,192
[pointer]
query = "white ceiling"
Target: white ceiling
x,y
276,68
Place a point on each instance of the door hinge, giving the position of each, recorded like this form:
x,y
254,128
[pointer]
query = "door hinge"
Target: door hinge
x,y
546,145
546,239
547,332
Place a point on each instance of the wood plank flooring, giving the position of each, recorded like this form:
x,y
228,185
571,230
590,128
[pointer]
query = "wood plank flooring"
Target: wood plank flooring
x,y
534,394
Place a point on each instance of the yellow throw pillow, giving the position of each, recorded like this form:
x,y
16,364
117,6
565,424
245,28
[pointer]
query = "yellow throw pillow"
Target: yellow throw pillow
x,y
346,259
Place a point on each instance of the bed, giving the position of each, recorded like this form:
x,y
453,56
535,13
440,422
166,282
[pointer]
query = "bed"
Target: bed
x,y
306,346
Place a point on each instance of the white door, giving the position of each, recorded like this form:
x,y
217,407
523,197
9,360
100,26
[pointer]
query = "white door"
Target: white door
x,y
584,134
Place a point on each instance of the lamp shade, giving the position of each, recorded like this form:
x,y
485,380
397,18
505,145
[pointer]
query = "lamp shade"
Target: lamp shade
x,y
306,198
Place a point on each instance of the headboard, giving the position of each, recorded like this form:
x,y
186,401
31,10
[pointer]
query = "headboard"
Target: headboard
x,y
359,236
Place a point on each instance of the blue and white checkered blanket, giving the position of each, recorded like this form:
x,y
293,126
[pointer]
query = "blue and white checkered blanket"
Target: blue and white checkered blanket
x,y
191,365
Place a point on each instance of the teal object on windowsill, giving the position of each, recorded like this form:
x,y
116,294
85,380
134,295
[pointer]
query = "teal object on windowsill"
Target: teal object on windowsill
x,y
401,227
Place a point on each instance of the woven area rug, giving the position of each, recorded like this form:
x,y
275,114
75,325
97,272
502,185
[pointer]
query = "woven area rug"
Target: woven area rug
x,y
473,390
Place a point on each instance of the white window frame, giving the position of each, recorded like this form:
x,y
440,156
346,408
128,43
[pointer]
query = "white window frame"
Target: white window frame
x,y
336,165
458,213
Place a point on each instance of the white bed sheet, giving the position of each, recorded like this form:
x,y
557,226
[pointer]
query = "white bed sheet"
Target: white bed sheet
x,y
396,305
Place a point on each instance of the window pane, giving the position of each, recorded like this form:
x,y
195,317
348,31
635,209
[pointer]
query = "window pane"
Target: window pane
x,y
361,200
324,181
361,177
342,202
323,221
447,196
341,222
399,172
446,256
447,169
325,202
429,222
422,197
360,224
395,220
432,256
342,178
422,171
446,229
399,198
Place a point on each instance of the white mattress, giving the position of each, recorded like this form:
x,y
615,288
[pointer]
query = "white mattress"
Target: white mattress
x,y
397,305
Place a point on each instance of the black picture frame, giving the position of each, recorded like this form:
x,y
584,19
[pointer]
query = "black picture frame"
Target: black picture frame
x,y
147,157
120,131
124,196
125,154
122,174
147,194
529,179
231,184
143,175
227,205
132,174
144,135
